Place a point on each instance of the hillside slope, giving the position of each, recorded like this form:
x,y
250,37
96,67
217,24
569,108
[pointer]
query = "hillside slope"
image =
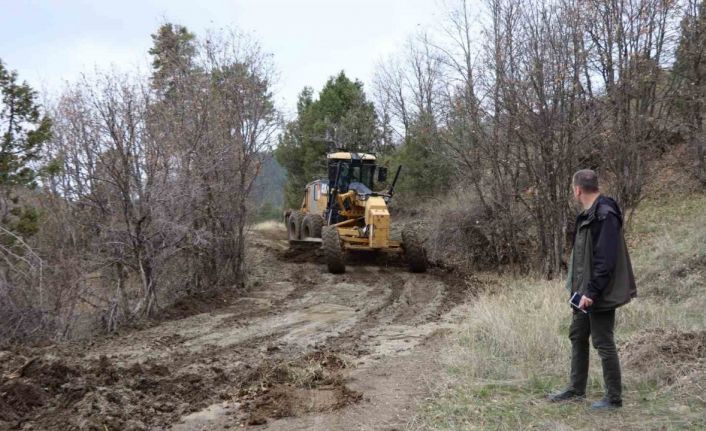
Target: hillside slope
x,y
513,348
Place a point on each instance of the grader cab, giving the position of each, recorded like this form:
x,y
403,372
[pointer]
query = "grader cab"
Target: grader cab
x,y
344,214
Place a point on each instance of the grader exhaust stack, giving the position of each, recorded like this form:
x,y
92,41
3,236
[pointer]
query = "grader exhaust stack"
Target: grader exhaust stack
x,y
343,214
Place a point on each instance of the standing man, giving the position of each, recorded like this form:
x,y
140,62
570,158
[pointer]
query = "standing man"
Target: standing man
x,y
600,270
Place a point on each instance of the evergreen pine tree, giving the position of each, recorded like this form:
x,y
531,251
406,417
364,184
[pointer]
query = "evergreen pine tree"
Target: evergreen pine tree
x,y
23,131
340,118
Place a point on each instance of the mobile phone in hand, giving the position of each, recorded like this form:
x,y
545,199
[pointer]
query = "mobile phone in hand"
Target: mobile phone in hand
x,y
576,300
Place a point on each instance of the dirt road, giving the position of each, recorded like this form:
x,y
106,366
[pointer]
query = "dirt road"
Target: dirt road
x,y
301,349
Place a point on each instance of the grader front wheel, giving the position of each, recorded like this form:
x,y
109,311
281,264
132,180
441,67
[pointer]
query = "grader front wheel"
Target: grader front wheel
x,y
414,252
331,243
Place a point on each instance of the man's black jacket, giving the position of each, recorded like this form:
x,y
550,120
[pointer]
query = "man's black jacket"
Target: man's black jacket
x,y
600,267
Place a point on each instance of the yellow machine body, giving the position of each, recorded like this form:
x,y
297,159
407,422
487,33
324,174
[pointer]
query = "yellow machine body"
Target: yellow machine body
x,y
315,198
367,218
343,213
375,232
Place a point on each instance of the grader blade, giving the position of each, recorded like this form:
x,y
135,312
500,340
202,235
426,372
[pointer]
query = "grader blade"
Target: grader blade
x,y
305,243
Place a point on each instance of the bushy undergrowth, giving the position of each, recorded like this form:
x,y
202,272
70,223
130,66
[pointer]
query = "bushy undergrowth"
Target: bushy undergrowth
x,y
513,348
459,235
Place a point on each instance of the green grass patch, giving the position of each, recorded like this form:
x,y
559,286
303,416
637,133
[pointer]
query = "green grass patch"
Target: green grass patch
x,y
522,406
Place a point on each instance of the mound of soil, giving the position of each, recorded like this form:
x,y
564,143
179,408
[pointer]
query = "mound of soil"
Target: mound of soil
x,y
287,400
31,386
327,360
666,354
19,398
197,303
312,383
52,392
57,394
51,374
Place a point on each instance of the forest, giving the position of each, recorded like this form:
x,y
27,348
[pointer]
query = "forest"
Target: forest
x,y
128,191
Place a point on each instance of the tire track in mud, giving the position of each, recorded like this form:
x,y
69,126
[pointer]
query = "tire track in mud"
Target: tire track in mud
x,y
285,349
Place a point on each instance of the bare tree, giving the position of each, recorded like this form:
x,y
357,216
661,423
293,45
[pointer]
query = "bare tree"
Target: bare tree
x,y
113,172
630,43
690,75
243,123
554,86
155,176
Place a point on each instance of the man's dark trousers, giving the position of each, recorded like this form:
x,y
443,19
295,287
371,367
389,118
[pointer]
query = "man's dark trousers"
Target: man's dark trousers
x,y
599,327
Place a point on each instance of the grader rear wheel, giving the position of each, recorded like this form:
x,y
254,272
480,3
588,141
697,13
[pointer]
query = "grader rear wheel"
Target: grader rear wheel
x,y
294,225
414,252
311,226
331,243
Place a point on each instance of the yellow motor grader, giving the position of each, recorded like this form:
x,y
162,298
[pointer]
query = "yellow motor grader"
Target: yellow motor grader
x,y
343,214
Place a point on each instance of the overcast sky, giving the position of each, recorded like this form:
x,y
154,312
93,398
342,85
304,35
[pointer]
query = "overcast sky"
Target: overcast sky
x,y
49,41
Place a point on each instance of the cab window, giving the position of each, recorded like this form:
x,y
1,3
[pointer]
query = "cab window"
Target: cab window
x,y
367,175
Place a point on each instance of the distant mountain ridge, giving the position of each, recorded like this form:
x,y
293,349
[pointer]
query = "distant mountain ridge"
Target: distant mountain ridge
x,y
268,189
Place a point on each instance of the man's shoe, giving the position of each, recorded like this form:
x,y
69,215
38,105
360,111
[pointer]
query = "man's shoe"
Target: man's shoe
x,y
566,395
606,404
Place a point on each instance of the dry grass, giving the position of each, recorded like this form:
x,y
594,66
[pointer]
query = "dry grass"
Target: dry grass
x,y
513,348
668,238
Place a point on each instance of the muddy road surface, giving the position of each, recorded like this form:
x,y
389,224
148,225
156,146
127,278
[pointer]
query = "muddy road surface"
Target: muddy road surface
x,y
300,349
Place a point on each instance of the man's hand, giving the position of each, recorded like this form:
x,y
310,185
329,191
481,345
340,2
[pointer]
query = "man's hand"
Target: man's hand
x,y
585,302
